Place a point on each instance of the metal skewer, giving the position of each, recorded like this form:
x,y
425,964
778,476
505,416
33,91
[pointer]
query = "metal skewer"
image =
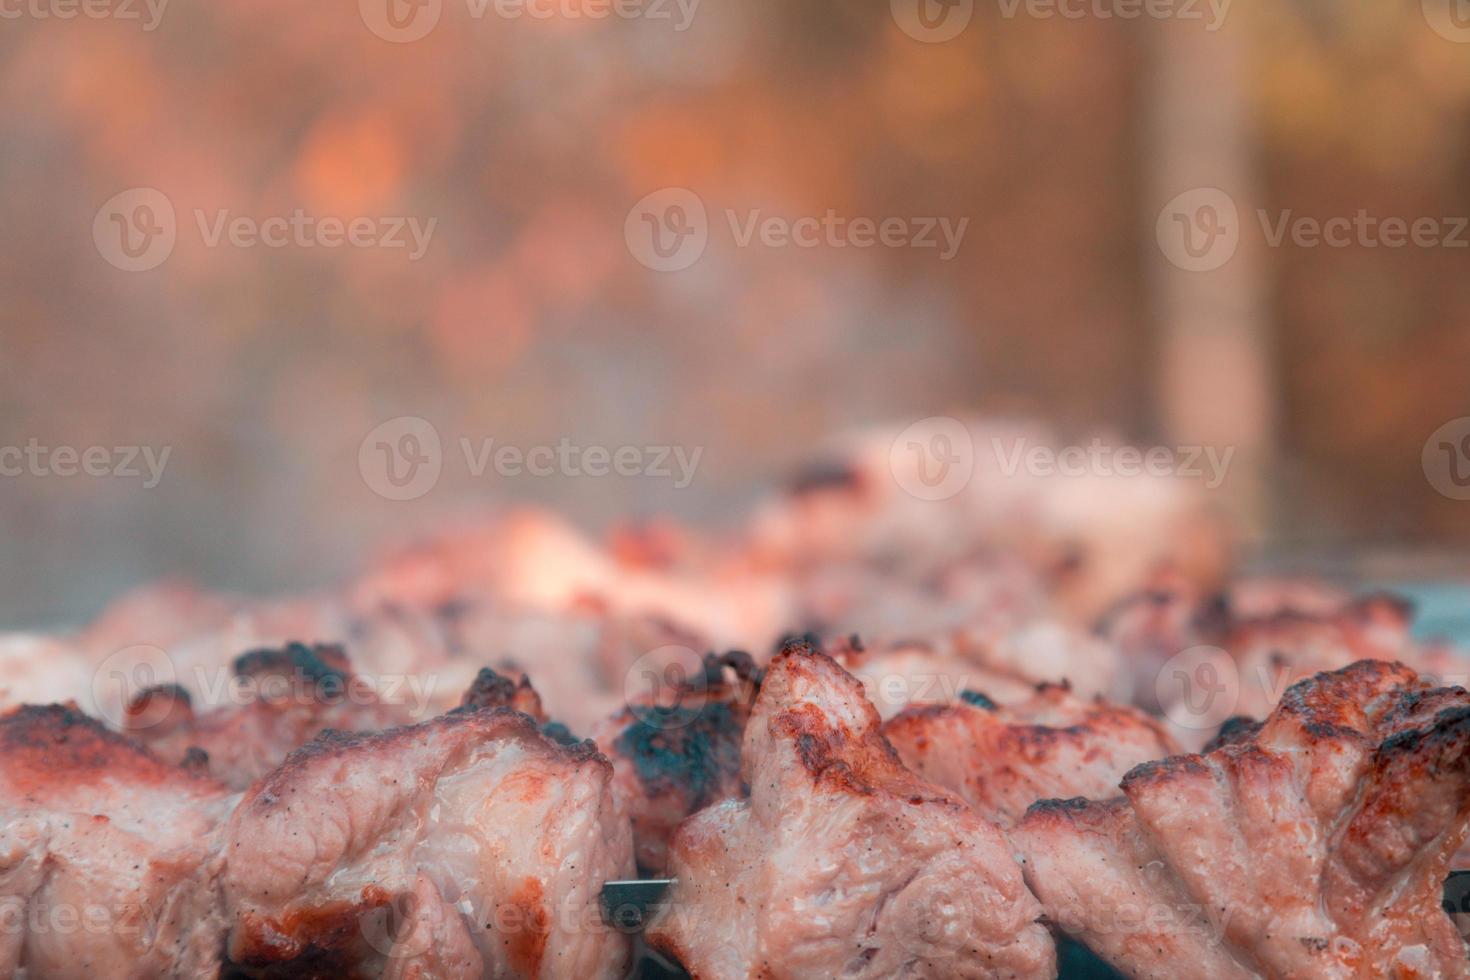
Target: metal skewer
x,y
628,905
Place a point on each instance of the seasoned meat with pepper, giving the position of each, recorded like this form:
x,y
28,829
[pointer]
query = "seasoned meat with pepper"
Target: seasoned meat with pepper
x,y
1003,758
1314,845
468,846
675,756
110,859
842,862
275,701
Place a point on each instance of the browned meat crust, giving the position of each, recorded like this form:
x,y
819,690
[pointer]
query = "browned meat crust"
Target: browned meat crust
x,y
465,846
1314,845
289,695
841,862
674,759
109,857
1003,758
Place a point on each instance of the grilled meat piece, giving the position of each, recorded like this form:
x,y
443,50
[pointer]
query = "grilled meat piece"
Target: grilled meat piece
x,y
110,859
913,674
277,701
1314,846
842,862
674,758
1003,758
467,846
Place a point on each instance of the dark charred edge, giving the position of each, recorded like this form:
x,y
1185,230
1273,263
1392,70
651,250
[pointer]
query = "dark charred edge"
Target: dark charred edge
x,y
493,690
798,643
1350,684
1449,730
55,739
195,759
1159,770
742,664
978,700
162,702
1072,805
317,943
490,690
1399,715
321,662
493,723
1236,730
825,475
695,755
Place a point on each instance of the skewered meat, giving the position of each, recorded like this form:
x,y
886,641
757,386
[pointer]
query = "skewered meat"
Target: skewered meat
x,y
109,858
1003,758
531,559
675,756
276,702
841,862
1312,846
913,674
471,845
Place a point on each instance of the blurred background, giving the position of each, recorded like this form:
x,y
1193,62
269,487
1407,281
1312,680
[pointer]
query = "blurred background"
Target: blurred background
x,y
525,138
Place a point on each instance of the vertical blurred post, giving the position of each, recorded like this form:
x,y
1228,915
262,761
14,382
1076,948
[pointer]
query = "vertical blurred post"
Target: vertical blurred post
x,y
1215,383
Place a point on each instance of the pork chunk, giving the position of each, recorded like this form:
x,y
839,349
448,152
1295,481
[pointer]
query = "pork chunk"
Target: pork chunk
x,y
1314,845
110,859
467,846
842,862
1003,758
278,701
